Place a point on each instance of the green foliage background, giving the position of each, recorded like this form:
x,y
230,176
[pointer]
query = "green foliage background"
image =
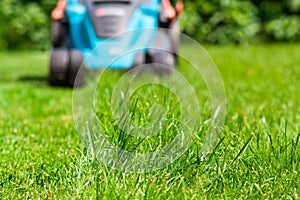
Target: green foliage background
x,y
242,21
26,23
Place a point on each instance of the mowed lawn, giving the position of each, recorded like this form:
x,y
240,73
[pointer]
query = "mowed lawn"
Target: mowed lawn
x,y
257,155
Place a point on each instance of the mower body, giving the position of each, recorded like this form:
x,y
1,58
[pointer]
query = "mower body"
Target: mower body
x,y
92,22
117,34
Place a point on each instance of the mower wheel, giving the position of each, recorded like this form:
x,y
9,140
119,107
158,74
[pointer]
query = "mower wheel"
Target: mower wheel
x,y
59,63
59,32
139,59
75,73
163,61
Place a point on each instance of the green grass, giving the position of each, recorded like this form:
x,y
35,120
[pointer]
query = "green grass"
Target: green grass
x,y
256,157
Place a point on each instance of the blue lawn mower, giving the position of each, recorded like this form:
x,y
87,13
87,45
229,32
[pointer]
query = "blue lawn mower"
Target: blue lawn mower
x,y
82,35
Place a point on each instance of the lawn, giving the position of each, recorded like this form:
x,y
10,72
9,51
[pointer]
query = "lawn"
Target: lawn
x,y
257,155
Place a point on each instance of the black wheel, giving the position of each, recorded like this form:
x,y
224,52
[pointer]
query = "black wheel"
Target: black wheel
x,y
59,33
162,61
174,35
76,74
139,59
59,63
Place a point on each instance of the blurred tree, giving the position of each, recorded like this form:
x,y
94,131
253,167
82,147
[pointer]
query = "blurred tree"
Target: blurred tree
x,y
240,21
26,23
280,19
221,21
294,6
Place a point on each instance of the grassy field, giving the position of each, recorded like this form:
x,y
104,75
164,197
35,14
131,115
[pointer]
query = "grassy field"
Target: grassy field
x,y
257,156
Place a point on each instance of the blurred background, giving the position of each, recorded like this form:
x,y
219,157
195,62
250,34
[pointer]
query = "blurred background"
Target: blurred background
x,y
26,23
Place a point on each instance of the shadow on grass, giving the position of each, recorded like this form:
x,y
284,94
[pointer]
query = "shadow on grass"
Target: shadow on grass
x,y
35,80
40,81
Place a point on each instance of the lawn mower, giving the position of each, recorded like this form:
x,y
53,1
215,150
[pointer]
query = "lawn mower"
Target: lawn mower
x,y
82,36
